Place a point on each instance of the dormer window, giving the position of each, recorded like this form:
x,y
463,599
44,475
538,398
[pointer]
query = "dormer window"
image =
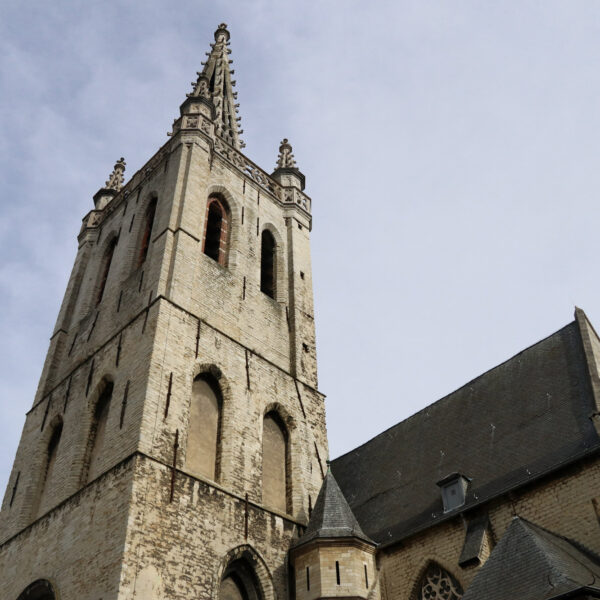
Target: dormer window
x,y
454,490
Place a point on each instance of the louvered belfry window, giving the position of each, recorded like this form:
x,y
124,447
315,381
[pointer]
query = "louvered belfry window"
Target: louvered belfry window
x,y
216,235
267,264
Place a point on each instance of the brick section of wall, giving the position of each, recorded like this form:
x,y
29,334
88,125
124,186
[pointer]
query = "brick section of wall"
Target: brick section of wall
x,y
563,504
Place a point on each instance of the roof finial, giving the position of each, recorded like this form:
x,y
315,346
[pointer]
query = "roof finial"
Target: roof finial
x,y
115,179
285,160
222,31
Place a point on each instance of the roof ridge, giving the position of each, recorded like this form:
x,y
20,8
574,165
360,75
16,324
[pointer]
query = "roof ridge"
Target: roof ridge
x,y
550,537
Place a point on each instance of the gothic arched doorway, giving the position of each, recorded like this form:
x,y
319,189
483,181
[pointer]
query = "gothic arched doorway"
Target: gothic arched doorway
x,y
239,582
243,575
38,590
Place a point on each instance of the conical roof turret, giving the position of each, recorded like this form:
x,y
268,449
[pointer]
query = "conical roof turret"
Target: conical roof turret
x,y
215,84
332,516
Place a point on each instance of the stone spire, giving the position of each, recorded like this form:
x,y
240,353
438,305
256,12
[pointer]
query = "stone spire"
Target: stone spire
x,y
111,187
214,83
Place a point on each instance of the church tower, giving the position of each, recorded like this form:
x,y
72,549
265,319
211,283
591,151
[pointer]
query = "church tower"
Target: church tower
x,y
176,443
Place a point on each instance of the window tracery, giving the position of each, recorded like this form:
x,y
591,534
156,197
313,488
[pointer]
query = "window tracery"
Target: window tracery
x,y
438,584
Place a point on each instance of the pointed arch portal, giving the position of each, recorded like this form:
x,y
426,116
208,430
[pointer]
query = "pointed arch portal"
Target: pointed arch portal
x,y
38,590
239,582
243,575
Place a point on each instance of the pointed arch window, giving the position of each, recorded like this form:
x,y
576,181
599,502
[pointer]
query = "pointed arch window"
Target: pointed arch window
x,y
48,467
438,584
203,444
267,263
147,232
105,269
97,438
274,462
216,234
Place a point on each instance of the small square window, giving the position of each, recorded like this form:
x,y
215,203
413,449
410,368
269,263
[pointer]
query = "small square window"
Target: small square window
x,y
454,490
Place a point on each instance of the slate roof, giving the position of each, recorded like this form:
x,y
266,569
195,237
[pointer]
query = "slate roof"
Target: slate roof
x,y
331,516
531,563
515,423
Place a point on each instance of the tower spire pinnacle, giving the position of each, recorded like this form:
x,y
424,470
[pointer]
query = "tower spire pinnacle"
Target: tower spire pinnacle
x,y
115,179
286,159
214,83
112,185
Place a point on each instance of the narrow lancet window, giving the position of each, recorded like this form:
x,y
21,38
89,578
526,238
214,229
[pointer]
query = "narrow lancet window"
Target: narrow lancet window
x,y
48,467
216,236
267,263
147,233
202,455
274,462
97,440
105,268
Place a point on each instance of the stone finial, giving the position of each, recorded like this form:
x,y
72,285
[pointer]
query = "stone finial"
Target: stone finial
x,y
222,32
115,180
285,160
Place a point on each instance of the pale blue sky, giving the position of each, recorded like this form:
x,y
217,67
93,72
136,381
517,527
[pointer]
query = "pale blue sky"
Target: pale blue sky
x,y
451,149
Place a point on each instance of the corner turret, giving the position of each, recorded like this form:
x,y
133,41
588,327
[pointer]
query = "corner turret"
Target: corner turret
x,y
334,558
286,172
111,187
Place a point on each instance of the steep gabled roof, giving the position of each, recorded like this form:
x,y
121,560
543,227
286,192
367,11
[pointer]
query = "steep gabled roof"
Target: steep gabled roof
x,y
531,563
513,424
332,517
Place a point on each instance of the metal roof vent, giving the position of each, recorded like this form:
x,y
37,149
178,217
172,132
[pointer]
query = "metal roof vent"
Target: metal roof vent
x,y
454,490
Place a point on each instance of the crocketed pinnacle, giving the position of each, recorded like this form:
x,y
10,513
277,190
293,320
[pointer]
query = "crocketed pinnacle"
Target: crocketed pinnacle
x,y
285,160
214,83
115,179
332,517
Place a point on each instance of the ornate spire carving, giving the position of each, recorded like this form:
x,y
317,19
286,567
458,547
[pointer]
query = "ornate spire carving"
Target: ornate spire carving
x,y
285,160
215,83
115,179
286,172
